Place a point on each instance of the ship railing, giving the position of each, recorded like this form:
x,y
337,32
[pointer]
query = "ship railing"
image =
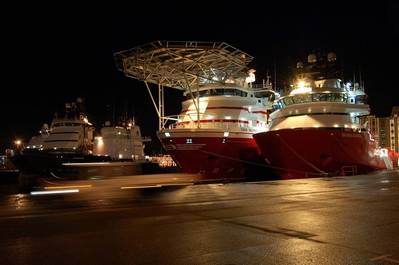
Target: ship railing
x,y
213,125
176,120
187,121
340,97
261,87
356,89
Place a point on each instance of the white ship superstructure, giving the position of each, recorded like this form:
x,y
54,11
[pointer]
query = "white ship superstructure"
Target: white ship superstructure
x,y
120,142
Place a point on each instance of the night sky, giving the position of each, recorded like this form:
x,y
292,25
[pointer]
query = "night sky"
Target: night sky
x,y
54,54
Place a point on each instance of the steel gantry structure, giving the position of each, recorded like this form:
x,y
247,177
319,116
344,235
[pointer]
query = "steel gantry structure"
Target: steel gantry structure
x,y
183,65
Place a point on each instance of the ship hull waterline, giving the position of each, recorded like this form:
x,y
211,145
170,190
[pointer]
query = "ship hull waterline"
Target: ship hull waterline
x,y
319,152
217,158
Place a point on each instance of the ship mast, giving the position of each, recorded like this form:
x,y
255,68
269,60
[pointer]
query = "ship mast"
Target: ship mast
x,y
184,66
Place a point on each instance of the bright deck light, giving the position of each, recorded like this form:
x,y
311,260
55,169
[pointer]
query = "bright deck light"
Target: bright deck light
x,y
100,140
301,84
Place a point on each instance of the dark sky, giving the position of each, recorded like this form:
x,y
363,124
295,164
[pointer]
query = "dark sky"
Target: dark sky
x,y
53,54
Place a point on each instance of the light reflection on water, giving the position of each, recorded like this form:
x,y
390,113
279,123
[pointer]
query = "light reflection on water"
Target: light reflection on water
x,y
18,201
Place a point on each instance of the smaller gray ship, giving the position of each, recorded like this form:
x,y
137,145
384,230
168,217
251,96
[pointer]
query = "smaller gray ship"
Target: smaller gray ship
x,y
69,149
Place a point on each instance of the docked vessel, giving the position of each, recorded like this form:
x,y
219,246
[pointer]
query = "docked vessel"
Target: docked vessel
x,y
68,148
221,111
218,142
68,139
315,129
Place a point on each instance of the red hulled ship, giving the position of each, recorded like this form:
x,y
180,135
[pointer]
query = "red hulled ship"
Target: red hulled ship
x,y
218,142
315,129
221,111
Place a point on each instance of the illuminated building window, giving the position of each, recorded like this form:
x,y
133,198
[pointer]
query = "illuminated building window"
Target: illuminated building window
x,y
189,141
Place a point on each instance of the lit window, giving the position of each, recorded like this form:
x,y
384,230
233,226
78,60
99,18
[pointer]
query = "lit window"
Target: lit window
x,y
189,141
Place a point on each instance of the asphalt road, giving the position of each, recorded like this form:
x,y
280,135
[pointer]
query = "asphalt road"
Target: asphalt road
x,y
352,220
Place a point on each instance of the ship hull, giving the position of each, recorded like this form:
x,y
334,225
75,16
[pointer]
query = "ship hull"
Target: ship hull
x,y
42,163
34,165
227,158
301,153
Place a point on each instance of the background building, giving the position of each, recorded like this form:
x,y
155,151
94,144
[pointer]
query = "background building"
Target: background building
x,y
385,130
394,129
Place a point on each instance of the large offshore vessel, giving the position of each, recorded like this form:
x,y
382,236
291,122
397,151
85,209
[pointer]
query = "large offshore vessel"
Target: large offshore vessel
x,y
222,110
218,143
315,129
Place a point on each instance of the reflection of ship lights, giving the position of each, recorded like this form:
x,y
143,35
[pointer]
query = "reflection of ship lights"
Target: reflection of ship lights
x,y
163,161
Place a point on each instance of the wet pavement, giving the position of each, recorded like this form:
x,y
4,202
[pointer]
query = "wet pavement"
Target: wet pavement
x,y
351,220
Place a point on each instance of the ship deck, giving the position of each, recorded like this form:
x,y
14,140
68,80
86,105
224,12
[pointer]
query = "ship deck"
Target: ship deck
x,y
340,220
